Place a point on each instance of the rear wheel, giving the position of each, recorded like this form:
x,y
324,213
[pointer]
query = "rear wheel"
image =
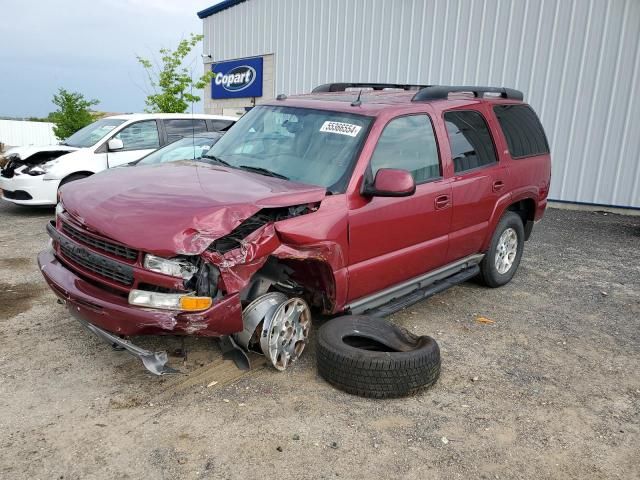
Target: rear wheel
x,y
505,251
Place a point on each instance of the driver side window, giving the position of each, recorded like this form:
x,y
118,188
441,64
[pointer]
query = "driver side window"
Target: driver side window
x,y
408,143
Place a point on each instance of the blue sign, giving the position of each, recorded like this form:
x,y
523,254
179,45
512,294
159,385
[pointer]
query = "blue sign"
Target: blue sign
x,y
237,78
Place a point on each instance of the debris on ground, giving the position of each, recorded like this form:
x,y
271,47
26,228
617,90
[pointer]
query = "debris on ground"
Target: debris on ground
x,y
485,320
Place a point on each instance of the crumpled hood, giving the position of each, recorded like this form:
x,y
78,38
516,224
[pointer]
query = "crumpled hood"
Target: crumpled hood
x,y
177,208
26,152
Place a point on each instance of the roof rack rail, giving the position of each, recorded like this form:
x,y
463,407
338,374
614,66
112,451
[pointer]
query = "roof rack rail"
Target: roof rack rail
x,y
341,87
437,92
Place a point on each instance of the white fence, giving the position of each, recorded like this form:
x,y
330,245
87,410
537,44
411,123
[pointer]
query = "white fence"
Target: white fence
x,y
16,133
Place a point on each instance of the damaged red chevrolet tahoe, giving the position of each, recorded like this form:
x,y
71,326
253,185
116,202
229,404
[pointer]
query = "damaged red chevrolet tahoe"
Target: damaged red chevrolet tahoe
x,y
336,201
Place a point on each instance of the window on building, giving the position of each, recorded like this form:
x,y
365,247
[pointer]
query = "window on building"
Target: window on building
x,y
470,140
522,130
179,128
140,136
408,143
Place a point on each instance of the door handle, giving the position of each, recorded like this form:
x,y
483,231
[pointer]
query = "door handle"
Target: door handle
x,y
442,202
498,185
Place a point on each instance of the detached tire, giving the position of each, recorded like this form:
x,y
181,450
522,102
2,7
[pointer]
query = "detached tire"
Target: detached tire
x,y
371,357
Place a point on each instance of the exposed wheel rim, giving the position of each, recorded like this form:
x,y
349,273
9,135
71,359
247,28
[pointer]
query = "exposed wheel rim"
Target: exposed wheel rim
x,y
285,333
506,250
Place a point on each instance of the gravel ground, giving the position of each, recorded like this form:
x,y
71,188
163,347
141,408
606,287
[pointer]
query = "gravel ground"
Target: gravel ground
x,y
551,389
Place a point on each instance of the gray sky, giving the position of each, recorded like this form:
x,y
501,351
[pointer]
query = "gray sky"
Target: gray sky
x,y
88,46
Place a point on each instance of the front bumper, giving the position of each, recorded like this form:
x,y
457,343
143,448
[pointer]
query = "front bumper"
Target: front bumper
x,y
113,313
18,188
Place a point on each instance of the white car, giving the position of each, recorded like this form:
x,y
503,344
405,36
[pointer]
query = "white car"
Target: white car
x,y
33,175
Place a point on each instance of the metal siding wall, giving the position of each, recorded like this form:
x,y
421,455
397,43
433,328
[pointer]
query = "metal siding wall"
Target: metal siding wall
x,y
577,62
16,133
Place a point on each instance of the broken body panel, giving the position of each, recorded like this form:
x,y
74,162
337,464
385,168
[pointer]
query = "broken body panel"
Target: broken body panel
x,y
186,222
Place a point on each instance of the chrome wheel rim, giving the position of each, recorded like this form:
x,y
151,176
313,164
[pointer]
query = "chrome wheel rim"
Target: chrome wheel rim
x,y
285,333
506,250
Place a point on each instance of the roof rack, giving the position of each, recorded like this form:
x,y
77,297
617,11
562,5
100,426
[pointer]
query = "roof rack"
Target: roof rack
x,y
341,87
437,92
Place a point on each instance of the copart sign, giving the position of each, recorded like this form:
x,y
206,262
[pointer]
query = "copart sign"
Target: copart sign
x,y
237,78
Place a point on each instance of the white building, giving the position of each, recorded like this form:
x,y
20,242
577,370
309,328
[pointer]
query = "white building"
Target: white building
x,y
576,61
18,133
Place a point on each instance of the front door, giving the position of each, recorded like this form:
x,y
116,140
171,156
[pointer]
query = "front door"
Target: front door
x,y
138,139
396,239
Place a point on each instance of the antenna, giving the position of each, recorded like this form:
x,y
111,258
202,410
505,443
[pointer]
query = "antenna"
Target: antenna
x,y
357,102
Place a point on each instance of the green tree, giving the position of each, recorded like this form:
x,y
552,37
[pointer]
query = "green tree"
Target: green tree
x,y
171,81
72,114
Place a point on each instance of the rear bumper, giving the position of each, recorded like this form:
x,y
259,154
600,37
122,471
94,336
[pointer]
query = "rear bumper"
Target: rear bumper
x,y
29,190
112,312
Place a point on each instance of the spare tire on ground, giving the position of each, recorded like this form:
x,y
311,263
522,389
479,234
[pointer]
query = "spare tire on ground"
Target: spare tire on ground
x,y
372,357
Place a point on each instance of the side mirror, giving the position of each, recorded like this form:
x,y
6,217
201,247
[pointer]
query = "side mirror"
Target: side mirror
x,y
390,182
115,144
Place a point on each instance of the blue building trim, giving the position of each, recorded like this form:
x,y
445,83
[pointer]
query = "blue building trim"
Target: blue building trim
x,y
218,7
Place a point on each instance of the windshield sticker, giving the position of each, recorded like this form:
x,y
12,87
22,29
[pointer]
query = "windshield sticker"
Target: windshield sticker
x,y
341,128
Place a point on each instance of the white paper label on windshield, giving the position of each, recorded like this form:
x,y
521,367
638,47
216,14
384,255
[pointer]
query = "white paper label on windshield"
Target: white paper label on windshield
x,y
341,128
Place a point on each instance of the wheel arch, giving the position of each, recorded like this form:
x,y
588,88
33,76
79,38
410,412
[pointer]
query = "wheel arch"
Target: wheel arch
x,y
84,173
312,279
524,206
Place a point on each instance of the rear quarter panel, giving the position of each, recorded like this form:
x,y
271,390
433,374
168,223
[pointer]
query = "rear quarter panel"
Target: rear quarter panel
x,y
529,177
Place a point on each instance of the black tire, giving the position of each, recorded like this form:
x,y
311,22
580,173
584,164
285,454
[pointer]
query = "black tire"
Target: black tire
x,y
72,178
489,274
371,357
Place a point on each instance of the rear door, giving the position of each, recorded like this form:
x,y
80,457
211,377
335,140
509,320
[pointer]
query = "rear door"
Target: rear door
x,y
395,239
478,183
138,139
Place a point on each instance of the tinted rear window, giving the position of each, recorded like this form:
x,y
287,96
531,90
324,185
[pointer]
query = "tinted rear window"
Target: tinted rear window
x,y
179,128
470,140
522,129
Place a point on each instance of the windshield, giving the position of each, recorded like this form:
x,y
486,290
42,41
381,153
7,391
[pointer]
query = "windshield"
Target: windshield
x,y
189,148
91,134
316,147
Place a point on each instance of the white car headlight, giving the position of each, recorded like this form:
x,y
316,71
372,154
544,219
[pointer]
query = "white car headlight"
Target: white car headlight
x,y
35,171
174,267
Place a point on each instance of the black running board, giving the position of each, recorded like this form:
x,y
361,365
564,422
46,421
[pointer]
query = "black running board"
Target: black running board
x,y
423,293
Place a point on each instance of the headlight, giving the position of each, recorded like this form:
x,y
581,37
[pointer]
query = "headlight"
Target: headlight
x,y
35,171
175,268
169,301
59,208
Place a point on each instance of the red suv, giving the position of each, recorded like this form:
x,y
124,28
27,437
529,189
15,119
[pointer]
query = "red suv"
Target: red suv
x,y
354,198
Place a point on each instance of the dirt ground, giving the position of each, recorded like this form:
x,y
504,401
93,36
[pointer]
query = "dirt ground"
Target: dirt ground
x,y
550,390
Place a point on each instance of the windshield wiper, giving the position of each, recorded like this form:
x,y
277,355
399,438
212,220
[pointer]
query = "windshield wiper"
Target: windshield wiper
x,y
216,159
263,171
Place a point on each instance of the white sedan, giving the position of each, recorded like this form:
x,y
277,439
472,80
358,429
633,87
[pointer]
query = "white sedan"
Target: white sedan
x,y
33,175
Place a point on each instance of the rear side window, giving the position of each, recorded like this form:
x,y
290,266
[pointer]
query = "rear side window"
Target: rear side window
x,y
470,140
410,144
522,130
221,125
179,128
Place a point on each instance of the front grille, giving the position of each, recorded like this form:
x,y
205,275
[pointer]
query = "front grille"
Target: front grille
x,y
98,243
96,264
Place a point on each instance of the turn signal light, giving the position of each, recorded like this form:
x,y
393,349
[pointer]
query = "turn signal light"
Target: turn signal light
x,y
195,303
